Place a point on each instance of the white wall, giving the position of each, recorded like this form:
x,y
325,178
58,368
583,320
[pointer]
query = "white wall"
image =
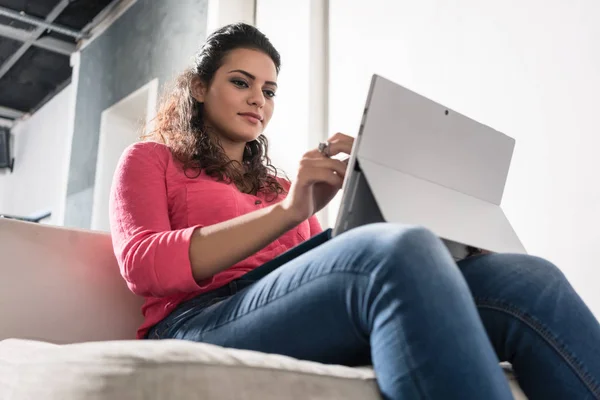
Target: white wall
x,y
288,130
529,69
41,162
223,12
299,122
120,127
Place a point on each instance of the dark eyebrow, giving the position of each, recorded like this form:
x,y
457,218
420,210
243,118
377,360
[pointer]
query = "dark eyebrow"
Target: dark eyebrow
x,y
249,75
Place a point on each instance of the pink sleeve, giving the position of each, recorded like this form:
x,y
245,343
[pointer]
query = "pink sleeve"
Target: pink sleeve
x,y
315,226
153,259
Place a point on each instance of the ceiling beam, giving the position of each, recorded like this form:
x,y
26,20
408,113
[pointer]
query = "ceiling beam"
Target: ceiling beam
x,y
10,113
8,123
35,34
41,23
47,42
14,33
55,45
103,20
101,17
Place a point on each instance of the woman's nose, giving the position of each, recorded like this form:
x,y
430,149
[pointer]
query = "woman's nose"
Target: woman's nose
x,y
256,98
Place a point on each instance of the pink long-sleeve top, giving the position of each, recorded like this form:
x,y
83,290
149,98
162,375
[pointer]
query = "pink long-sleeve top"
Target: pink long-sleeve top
x,y
155,208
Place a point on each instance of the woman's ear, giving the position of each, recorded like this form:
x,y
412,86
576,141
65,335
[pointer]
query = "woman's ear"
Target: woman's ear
x,y
198,89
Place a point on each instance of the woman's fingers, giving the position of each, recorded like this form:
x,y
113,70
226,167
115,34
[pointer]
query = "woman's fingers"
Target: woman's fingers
x,y
338,144
339,136
322,175
336,147
341,143
328,164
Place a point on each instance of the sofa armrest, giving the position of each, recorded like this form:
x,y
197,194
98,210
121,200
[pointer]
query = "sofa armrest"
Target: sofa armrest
x,y
62,285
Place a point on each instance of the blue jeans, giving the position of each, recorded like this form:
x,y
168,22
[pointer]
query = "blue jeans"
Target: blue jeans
x,y
392,296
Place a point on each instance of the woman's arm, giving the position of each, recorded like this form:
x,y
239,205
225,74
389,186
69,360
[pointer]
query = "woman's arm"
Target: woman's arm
x,y
216,247
157,261
153,258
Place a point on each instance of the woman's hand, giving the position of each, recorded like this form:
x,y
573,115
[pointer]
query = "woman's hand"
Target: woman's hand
x,y
319,179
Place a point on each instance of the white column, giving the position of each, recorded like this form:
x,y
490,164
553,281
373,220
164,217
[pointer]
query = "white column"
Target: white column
x,y
75,61
223,12
299,31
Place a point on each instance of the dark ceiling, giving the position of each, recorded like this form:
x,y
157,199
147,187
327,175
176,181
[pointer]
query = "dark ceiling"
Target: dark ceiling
x,y
36,40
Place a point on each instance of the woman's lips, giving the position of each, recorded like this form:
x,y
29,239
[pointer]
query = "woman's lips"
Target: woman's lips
x,y
251,117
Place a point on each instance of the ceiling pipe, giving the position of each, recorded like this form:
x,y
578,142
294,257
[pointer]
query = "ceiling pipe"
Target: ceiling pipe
x,y
21,16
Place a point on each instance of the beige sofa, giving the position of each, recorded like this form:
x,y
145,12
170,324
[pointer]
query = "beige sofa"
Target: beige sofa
x,y
67,326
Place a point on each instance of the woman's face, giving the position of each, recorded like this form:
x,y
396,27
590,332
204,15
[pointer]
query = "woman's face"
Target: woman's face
x,y
238,102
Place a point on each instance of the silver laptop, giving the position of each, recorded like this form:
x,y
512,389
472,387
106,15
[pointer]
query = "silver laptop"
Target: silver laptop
x,y
418,162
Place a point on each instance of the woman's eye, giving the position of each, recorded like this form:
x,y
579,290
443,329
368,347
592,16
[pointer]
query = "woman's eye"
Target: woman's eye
x,y
239,83
269,93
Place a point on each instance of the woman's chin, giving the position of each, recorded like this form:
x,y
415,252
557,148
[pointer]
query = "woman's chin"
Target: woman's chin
x,y
248,136
242,134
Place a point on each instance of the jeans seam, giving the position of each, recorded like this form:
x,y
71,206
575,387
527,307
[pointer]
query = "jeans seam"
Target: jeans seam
x,y
415,376
283,295
537,327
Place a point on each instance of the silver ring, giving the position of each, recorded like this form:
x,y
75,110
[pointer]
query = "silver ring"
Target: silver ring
x,y
324,149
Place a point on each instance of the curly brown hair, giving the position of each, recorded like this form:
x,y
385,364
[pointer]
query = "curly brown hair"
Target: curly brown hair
x,y
179,123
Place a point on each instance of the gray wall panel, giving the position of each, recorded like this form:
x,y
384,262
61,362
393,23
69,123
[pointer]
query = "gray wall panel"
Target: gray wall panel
x,y
152,39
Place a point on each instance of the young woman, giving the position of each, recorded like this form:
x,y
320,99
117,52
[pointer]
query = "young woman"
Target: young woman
x,y
198,204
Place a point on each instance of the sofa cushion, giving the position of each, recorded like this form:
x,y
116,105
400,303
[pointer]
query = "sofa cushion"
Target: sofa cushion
x,y
44,268
169,369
